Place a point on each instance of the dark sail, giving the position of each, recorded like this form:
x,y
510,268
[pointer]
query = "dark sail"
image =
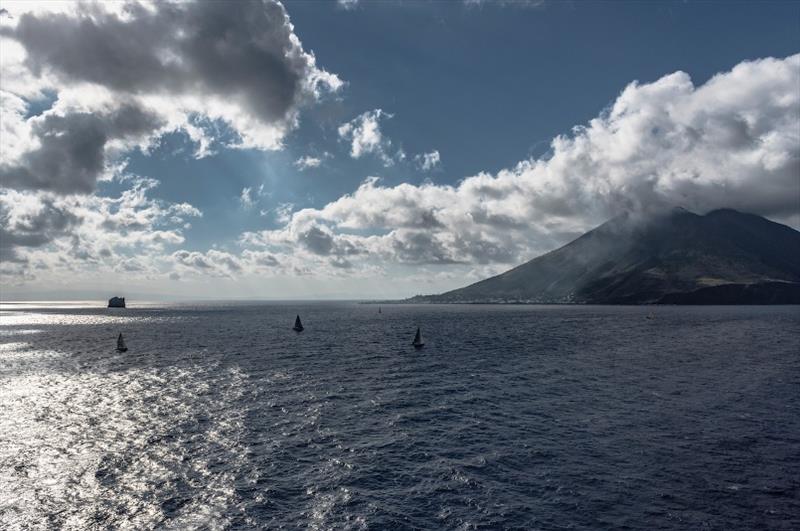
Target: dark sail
x,y
298,326
418,340
121,344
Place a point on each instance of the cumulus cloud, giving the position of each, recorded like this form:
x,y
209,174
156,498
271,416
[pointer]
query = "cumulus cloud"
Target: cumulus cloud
x,y
428,161
212,263
258,263
125,73
71,152
225,264
28,221
365,137
63,234
260,259
731,142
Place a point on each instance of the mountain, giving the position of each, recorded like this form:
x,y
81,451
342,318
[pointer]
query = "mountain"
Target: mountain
x,y
678,257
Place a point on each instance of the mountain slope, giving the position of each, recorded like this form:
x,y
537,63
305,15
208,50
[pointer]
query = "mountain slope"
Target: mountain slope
x,y
659,259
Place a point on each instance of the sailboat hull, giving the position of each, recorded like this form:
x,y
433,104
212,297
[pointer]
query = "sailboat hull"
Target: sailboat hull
x,y
122,349
296,329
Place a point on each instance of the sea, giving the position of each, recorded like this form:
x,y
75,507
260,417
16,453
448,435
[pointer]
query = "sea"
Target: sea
x,y
219,416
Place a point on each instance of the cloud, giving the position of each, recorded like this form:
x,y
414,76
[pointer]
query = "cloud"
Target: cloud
x,y
29,221
71,152
260,259
246,199
365,137
731,142
134,265
519,4
283,212
306,162
224,264
212,262
254,263
64,234
124,74
249,196
347,4
428,161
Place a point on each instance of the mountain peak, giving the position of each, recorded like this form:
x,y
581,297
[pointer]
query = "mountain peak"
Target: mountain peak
x,y
635,259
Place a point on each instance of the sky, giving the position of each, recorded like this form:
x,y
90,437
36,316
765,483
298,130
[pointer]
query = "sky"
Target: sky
x,y
355,149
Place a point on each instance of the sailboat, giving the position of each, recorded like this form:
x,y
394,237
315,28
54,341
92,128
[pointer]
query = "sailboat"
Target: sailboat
x,y
418,340
121,344
379,309
298,326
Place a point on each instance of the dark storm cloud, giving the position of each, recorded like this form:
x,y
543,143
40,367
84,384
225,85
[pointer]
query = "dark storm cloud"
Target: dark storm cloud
x,y
33,227
71,155
172,65
239,50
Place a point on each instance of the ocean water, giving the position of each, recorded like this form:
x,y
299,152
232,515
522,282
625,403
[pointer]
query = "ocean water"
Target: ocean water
x,y
512,417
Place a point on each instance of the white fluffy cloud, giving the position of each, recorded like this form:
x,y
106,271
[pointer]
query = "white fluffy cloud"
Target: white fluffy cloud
x,y
731,142
365,137
363,134
193,65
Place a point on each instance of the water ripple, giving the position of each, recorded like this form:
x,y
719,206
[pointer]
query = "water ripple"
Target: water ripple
x,y
220,417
